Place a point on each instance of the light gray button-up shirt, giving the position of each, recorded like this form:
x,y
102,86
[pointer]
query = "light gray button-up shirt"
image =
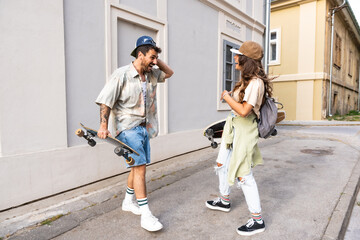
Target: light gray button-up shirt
x,y
123,94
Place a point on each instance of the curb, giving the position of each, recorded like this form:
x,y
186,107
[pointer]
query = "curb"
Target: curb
x,y
340,217
318,123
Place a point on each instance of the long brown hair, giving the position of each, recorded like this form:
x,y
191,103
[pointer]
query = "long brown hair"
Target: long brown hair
x,y
250,69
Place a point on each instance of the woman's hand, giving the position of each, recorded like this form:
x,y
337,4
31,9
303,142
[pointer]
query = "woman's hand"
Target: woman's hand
x,y
243,109
224,94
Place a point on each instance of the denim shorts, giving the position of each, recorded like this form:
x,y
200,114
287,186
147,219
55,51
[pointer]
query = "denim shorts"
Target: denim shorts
x,y
138,139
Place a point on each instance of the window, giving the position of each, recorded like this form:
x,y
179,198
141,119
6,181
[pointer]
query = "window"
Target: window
x,y
350,63
337,51
274,50
334,105
230,76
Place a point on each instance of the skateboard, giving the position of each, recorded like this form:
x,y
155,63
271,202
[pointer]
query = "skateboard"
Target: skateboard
x,y
215,130
280,116
121,149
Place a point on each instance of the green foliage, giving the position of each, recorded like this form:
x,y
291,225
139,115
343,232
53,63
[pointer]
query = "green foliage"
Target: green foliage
x,y
50,220
353,115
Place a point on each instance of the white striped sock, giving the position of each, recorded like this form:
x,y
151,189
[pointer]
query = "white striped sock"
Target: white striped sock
x,y
144,206
129,195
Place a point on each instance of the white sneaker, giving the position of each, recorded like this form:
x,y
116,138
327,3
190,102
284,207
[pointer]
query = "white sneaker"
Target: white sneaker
x,y
131,206
150,223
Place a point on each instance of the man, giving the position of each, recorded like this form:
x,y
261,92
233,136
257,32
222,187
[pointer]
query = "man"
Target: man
x,y
131,95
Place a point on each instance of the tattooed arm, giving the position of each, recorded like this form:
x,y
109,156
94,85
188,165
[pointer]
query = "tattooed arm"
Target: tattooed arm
x,y
103,131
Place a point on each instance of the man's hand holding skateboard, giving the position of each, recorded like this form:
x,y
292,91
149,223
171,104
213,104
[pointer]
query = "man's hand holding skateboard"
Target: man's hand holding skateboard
x,y
121,148
103,133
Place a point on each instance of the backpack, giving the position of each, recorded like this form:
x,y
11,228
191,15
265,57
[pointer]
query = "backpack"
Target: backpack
x,y
268,117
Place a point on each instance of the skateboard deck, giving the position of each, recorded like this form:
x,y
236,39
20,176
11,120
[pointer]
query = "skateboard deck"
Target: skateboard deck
x,y
215,130
280,116
121,149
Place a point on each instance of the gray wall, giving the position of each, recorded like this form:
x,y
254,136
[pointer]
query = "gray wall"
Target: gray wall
x,y
249,8
85,63
128,33
53,66
193,54
146,6
259,10
32,75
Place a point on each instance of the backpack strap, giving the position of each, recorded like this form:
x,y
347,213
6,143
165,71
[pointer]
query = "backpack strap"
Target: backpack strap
x,y
264,99
278,103
264,96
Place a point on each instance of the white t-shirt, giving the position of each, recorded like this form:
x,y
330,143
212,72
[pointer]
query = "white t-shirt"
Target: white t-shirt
x,y
254,93
143,88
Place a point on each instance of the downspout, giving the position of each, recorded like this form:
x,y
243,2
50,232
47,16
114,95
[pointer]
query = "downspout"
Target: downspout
x,y
359,89
333,11
267,36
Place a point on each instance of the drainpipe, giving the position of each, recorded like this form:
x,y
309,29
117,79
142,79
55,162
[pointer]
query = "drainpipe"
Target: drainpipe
x,y
333,11
359,89
267,36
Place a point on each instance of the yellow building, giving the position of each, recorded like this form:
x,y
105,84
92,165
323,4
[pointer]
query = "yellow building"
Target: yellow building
x,y
300,50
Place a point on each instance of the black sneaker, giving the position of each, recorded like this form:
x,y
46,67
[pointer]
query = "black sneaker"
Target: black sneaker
x,y
218,205
251,227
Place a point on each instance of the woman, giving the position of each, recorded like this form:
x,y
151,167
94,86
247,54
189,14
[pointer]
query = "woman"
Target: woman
x,y
239,152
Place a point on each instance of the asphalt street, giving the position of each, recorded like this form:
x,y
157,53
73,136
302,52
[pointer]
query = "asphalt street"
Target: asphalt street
x,y
308,188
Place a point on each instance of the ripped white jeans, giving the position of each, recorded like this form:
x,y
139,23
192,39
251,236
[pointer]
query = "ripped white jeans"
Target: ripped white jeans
x,y
247,184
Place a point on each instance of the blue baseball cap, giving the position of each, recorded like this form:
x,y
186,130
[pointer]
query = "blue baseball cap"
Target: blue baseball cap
x,y
144,40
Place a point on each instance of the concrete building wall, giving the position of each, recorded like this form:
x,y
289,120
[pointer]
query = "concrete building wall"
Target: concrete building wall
x,y
301,54
305,56
32,98
286,94
345,88
289,39
193,53
56,57
320,37
32,77
84,58
317,104
145,6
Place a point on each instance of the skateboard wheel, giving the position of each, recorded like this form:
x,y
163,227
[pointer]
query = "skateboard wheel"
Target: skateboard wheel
x,y
119,151
130,161
91,142
214,145
79,132
274,132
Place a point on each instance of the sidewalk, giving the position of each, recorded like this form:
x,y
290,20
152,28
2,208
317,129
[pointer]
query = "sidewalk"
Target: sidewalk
x,y
302,183
318,123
